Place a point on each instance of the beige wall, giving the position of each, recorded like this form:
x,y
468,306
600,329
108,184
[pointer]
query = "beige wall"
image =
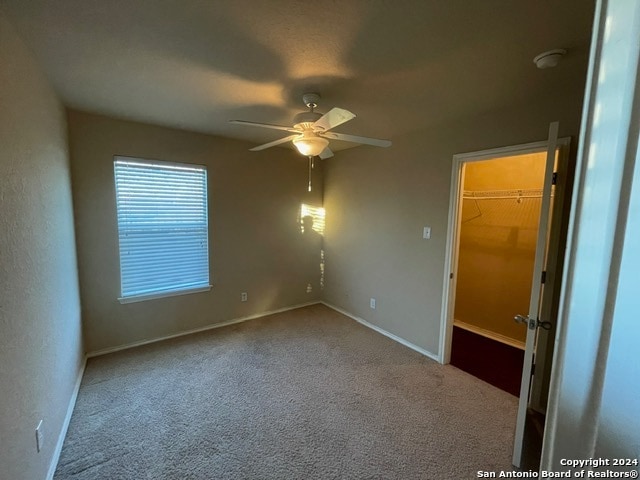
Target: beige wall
x,y
256,244
40,340
378,201
498,244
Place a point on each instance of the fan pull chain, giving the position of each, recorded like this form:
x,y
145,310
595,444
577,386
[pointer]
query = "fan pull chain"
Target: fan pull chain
x,y
310,168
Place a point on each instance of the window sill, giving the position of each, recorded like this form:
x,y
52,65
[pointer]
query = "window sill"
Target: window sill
x,y
152,296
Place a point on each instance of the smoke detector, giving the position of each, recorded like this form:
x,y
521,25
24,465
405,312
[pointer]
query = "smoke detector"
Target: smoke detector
x,y
549,59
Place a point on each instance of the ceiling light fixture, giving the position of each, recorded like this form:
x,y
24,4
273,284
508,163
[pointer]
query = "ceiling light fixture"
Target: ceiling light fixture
x,y
549,59
309,144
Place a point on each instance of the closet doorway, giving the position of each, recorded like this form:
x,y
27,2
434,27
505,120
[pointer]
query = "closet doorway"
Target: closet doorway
x,y
493,227
499,216
505,250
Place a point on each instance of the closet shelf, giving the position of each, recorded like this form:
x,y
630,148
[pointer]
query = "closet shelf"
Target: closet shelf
x,y
501,194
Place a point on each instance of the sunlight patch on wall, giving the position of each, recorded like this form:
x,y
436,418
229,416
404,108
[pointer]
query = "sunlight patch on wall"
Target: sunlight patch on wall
x,y
317,213
312,233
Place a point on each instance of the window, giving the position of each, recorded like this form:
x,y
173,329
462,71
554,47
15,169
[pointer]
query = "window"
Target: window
x,y
162,228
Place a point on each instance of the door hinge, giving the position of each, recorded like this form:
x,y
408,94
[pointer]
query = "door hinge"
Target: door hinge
x,y
554,179
544,276
533,369
451,276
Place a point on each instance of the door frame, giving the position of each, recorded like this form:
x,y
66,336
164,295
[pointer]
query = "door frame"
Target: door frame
x,y
453,228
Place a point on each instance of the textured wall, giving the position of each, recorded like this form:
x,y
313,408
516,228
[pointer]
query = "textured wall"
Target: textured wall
x,y
378,201
255,240
40,338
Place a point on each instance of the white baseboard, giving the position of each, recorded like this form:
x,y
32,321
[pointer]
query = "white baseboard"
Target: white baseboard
x,y
65,425
105,351
390,335
489,334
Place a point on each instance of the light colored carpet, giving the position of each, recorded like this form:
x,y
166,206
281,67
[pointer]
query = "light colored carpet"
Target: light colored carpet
x,y
305,394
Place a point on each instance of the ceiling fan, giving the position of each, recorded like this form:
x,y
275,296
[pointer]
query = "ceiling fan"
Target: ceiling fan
x,y
311,133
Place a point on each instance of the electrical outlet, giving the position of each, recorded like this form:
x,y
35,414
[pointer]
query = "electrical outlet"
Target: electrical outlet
x,y
39,436
243,297
372,303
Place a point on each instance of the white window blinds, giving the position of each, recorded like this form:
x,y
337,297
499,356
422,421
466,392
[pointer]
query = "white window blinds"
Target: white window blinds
x,y
162,228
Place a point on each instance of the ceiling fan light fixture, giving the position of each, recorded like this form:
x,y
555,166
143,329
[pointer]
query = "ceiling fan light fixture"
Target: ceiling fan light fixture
x,y
310,145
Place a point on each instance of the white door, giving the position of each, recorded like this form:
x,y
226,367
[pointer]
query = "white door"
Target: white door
x,y
531,320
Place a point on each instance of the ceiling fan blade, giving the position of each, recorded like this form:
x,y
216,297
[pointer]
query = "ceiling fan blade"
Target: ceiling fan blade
x,y
333,118
264,125
326,153
274,143
376,142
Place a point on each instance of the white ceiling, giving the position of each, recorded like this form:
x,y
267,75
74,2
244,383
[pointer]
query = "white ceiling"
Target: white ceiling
x,y
400,65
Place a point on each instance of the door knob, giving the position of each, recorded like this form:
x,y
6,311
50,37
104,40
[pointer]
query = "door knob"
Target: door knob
x,y
532,323
529,322
521,319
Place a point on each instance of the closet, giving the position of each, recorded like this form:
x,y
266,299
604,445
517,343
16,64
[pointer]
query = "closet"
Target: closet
x,y
500,209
